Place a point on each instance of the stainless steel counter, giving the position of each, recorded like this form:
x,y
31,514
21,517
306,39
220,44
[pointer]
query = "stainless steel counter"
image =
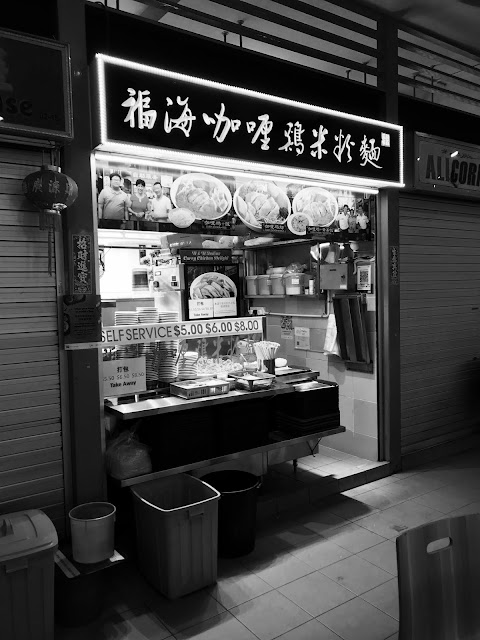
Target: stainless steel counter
x,y
172,404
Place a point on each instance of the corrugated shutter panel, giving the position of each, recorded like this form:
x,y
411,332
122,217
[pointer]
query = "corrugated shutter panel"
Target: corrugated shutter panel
x,y
31,458
440,320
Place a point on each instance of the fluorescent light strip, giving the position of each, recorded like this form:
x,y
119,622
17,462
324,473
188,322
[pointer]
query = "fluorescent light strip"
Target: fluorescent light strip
x,y
224,162
109,157
233,89
225,165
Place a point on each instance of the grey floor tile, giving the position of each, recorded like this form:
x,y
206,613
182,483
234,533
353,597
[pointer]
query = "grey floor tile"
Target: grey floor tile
x,y
411,514
318,460
322,520
219,628
185,612
466,510
383,555
394,637
383,497
348,508
359,620
133,625
297,535
280,569
353,537
356,574
321,553
316,593
270,615
385,598
233,590
313,630
340,469
449,498
383,527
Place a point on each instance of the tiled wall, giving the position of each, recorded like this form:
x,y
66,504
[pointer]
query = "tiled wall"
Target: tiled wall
x,y
358,391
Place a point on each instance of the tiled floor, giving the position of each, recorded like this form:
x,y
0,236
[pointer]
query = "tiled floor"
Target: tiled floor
x,y
324,571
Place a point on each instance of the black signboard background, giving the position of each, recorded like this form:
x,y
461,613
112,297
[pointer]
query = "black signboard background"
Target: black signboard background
x,y
34,86
205,99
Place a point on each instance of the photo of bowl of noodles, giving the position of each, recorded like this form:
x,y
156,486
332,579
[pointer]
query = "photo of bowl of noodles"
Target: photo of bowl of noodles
x,y
298,223
212,285
258,201
320,205
207,197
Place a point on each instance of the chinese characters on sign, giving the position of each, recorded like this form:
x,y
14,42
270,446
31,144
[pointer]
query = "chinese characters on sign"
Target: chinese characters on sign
x,y
82,263
140,115
121,377
150,107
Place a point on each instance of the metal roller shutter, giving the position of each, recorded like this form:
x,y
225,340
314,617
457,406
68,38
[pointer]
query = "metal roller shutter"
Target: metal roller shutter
x,y
440,320
31,455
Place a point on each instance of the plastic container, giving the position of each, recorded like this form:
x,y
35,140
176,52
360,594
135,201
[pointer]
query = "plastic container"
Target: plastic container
x,y
252,289
176,520
278,284
237,512
264,285
293,284
93,527
28,541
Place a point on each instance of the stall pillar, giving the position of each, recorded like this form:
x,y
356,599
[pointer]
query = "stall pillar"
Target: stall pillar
x,y
388,289
84,383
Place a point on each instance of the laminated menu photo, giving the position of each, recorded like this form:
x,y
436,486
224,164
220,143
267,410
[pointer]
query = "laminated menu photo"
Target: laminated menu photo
x,y
211,291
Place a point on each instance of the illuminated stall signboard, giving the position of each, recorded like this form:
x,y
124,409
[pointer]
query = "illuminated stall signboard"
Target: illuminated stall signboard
x,y
177,115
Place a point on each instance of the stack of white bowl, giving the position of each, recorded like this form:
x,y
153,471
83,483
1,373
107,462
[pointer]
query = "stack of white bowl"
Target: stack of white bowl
x,y
126,318
149,315
187,365
167,351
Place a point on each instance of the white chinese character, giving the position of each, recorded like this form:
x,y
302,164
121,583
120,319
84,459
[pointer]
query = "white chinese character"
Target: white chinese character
x,y
54,186
317,150
82,242
37,185
344,144
294,138
185,120
263,130
369,152
139,105
222,120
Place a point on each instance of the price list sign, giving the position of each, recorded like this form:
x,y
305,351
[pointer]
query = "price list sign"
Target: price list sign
x,y
124,376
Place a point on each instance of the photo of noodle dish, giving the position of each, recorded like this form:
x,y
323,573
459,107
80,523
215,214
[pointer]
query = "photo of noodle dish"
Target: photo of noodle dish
x,y
212,285
260,201
320,205
298,223
206,196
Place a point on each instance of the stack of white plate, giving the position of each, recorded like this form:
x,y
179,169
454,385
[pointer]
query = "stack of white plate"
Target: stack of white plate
x,y
167,360
167,316
126,318
147,315
187,365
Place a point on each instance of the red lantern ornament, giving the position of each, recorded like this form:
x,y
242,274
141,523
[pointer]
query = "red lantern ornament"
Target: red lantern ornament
x,y
50,191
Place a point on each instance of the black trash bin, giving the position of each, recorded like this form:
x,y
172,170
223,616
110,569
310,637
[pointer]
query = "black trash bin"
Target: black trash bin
x,y
237,511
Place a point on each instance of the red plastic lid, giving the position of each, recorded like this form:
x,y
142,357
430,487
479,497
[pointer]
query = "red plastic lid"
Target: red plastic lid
x,y
25,533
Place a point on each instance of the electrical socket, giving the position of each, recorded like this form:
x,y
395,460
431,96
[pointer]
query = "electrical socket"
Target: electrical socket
x,y
259,311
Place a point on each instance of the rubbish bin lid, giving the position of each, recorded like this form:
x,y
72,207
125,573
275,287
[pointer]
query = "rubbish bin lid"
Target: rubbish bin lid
x,y
25,533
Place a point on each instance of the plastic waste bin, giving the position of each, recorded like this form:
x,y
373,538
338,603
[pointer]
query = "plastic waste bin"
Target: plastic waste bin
x,y
28,541
237,511
93,531
176,521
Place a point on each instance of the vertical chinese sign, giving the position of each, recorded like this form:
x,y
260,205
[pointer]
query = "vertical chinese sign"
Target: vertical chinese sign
x,y
82,264
82,308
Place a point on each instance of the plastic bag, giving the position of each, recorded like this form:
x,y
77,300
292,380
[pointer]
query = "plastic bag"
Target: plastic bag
x,y
127,457
331,341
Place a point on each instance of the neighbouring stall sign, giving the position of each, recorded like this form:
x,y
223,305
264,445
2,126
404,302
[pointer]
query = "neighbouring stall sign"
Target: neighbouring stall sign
x,y
82,318
163,110
35,95
302,338
446,166
82,263
124,376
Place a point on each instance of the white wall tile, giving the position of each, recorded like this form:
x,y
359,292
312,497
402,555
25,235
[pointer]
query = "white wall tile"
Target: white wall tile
x,y
364,386
365,418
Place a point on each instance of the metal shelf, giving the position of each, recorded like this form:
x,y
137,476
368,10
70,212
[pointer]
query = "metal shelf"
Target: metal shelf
x,y
300,295
231,456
